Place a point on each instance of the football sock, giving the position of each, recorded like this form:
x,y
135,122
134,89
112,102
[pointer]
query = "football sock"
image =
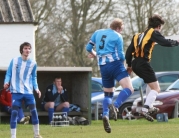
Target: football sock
x,y
35,119
107,100
65,109
20,115
123,95
50,114
13,133
36,129
13,122
151,98
147,90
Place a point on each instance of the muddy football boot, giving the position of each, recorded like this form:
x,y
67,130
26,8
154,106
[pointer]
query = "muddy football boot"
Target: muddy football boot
x,y
114,111
153,111
147,116
106,124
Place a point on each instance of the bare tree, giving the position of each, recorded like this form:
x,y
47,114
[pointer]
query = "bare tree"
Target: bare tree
x,y
65,26
137,12
66,29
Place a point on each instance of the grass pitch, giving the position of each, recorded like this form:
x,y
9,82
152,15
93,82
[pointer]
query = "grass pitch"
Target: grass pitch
x,y
120,129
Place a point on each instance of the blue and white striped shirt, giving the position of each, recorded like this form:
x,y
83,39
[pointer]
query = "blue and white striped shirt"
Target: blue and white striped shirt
x,y
109,46
22,76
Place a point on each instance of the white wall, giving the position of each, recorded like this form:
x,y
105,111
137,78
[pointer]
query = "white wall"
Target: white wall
x,y
11,37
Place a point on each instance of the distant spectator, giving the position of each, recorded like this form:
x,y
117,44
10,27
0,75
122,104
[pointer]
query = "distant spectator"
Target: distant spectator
x,y
6,102
55,98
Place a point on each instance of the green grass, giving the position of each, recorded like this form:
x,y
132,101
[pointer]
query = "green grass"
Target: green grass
x,y
120,129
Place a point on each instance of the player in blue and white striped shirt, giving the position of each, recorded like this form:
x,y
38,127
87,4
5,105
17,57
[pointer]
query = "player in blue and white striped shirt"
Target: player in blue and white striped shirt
x,y
21,76
110,56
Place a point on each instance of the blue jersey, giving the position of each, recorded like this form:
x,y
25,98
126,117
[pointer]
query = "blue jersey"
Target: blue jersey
x,y
22,76
109,46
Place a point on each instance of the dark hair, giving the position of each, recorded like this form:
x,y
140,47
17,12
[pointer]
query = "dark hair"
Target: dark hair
x,y
57,77
22,46
155,21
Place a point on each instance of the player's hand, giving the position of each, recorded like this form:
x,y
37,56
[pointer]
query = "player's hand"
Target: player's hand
x,y
91,56
6,85
129,70
60,88
39,93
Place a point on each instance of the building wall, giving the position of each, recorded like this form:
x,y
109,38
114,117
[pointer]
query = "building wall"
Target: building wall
x,y
11,36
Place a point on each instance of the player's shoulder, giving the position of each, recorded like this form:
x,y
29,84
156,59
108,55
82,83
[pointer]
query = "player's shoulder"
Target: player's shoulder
x,y
50,86
101,30
32,61
16,58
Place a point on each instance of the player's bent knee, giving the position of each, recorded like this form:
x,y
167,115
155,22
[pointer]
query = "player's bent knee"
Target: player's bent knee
x,y
132,89
14,113
32,106
66,104
157,90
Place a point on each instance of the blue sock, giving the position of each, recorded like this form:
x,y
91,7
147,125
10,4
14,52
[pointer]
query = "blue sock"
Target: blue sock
x,y
13,122
107,100
34,114
123,95
65,109
20,115
50,114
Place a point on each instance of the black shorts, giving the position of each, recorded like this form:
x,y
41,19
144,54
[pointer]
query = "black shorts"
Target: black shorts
x,y
143,69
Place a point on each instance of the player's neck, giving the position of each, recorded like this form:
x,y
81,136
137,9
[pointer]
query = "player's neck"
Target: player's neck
x,y
25,57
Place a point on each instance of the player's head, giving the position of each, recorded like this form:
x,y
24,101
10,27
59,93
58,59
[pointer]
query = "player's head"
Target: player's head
x,y
58,81
23,45
116,24
155,21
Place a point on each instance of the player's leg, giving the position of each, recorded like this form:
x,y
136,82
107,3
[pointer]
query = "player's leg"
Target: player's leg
x,y
63,107
21,118
152,109
30,101
148,89
155,89
122,76
108,87
143,69
49,106
17,98
151,97
13,120
107,101
127,90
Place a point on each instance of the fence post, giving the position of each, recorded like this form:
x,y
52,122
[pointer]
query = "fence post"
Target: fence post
x,y
176,110
96,111
141,95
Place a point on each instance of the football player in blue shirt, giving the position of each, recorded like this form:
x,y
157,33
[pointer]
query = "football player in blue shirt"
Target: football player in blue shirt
x,y
110,56
21,77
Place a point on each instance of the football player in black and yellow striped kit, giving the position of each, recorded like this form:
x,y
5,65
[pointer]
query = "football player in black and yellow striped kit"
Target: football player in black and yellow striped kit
x,y
138,57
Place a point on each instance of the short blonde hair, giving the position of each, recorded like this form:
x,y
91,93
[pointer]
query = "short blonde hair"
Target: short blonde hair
x,y
116,23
